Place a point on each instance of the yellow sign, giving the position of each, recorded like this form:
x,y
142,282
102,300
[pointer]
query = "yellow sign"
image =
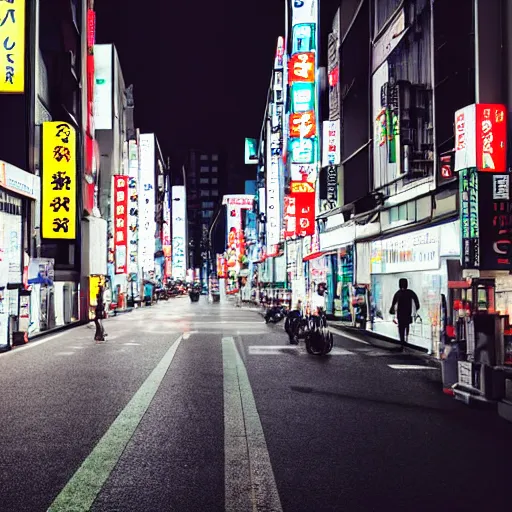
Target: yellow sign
x,y
58,202
94,287
301,186
12,46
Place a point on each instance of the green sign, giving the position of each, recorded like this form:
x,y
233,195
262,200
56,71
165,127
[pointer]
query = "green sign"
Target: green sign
x,y
251,151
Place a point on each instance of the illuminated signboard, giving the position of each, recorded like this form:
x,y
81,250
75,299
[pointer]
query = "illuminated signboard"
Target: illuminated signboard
x,y
301,68
481,138
302,125
304,195
12,49
331,143
491,138
302,97
103,86
469,218
58,205
244,201
121,223
304,172
290,219
133,207
179,228
304,38
302,151
251,151
147,202
301,187
304,11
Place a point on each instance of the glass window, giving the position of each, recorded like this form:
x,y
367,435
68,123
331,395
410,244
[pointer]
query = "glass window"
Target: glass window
x,y
207,214
215,158
204,181
207,204
214,181
215,169
204,168
203,157
215,193
205,193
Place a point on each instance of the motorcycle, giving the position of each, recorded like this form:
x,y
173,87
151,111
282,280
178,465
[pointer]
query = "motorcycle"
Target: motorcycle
x,y
296,326
319,340
275,314
194,295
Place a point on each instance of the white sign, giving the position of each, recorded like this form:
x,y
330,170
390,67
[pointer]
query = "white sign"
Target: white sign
x,y
331,154
166,229
465,138
17,180
411,252
245,201
304,172
147,224
133,207
501,187
304,11
179,231
273,225
103,96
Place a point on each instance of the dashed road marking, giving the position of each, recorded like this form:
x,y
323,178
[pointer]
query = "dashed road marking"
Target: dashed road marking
x,y
410,367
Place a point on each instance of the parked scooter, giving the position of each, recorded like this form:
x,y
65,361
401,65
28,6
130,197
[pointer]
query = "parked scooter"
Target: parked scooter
x,y
194,294
275,314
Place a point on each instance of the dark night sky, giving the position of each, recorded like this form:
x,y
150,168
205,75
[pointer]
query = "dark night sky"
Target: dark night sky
x,y
200,69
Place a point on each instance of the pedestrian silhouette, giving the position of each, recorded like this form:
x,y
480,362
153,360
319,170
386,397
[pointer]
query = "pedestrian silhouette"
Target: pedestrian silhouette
x,y
402,306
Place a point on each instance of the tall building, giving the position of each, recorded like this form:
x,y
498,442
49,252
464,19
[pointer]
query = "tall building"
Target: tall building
x,y
205,186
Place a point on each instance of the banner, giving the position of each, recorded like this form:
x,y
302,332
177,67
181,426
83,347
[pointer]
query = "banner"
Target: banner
x,y
305,213
58,201
179,230
121,223
304,11
12,49
331,153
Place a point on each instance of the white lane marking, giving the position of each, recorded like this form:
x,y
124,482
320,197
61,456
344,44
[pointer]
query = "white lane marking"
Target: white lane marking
x,y
132,344
249,479
346,335
64,353
85,485
410,367
31,344
261,350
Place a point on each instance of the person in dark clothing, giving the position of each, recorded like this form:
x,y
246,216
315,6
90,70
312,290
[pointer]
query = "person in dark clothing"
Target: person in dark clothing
x,y
99,314
402,305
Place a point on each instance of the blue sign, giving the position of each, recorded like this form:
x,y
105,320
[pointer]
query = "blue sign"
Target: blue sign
x,y
304,38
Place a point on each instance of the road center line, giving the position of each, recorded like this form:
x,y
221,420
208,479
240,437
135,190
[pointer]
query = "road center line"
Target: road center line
x,y
80,492
249,479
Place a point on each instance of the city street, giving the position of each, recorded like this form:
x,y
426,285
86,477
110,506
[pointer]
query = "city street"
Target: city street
x,y
203,407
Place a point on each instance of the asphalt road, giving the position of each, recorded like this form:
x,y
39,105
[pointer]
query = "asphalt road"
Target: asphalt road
x,y
203,407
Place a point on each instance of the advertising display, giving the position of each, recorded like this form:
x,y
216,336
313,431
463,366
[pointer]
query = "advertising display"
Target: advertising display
x,y
290,216
273,202
121,223
304,38
133,209
303,151
58,201
304,172
147,207
302,125
304,11
19,181
469,223
244,201
251,151
331,154
302,97
12,50
304,212
103,94
481,138
179,241
301,68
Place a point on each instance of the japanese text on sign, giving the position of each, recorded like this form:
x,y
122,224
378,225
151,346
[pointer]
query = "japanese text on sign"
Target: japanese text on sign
x,y
301,68
303,125
121,223
12,46
491,138
59,181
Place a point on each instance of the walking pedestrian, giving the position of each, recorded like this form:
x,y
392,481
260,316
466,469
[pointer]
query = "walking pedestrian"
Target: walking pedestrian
x,y
99,314
402,305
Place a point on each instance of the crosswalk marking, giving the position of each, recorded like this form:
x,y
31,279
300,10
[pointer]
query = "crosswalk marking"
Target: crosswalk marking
x,y
410,367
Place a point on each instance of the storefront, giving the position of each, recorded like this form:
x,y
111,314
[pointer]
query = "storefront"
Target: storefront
x,y
18,191
422,258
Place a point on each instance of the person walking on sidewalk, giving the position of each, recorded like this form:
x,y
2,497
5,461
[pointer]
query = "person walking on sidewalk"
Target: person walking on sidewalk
x,y
99,314
402,305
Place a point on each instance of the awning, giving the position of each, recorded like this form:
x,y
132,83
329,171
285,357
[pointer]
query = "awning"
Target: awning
x,y
317,254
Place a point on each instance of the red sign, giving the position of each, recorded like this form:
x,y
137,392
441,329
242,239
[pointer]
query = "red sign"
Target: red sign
x,y
121,223
305,213
303,125
91,28
334,77
290,218
491,138
301,68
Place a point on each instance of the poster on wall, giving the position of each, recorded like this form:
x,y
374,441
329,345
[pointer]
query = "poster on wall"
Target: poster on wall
x,y
58,202
121,223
